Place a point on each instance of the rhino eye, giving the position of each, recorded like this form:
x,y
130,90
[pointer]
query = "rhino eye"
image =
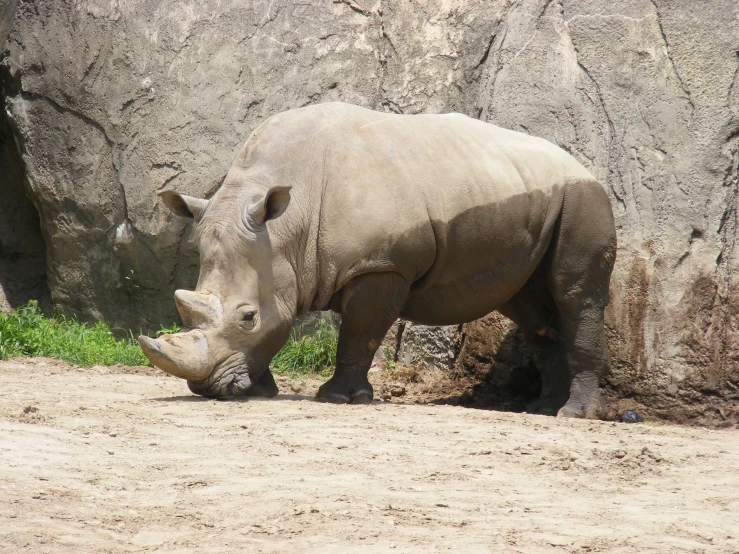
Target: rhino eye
x,y
249,317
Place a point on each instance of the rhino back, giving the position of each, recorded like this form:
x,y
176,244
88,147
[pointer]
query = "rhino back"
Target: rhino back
x,y
453,204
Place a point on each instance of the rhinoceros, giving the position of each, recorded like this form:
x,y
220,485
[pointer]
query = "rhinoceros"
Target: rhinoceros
x,y
436,219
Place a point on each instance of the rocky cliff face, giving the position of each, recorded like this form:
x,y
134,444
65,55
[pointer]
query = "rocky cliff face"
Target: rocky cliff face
x,y
644,94
109,102
22,249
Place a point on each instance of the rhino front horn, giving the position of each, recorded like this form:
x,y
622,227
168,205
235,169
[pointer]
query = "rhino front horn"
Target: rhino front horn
x,y
183,355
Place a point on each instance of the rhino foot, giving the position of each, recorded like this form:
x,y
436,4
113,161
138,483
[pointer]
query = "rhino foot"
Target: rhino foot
x,y
548,403
591,409
336,392
264,386
545,406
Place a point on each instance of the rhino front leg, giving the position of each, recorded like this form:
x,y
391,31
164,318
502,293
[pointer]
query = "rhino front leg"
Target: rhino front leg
x,y
533,310
369,305
264,386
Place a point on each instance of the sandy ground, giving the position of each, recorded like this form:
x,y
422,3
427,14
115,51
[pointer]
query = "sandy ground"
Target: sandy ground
x,y
126,460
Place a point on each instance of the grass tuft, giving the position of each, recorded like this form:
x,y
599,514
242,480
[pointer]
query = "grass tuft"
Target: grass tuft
x,y
171,330
25,331
308,355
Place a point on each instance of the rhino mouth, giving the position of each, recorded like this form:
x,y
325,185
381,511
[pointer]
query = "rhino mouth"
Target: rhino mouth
x,y
229,378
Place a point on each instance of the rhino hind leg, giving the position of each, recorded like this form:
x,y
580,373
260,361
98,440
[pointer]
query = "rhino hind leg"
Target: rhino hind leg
x,y
582,255
588,360
369,305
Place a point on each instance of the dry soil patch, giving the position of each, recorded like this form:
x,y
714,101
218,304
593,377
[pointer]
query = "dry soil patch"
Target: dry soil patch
x,y
121,460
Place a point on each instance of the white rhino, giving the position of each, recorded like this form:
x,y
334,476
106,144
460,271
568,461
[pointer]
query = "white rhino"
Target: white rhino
x,y
438,219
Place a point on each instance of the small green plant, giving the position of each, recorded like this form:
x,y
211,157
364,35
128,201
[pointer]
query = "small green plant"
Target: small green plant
x,y
171,330
25,331
310,354
388,358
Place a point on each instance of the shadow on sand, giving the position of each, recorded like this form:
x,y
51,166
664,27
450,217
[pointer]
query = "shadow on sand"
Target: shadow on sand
x,y
507,380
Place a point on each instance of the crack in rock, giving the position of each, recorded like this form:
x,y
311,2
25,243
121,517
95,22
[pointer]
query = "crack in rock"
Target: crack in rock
x,y
684,88
32,96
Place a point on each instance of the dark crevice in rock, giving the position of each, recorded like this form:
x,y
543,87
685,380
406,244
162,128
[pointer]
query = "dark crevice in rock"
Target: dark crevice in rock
x,y
487,89
459,344
354,6
398,340
27,95
727,231
733,81
386,38
684,88
168,180
596,86
22,248
31,96
385,51
486,53
599,104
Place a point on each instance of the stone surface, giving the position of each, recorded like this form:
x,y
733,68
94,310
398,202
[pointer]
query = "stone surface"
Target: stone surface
x,y
22,249
434,348
117,101
644,94
111,101
7,16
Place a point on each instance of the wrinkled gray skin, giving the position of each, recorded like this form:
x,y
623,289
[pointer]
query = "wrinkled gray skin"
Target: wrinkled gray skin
x,y
438,219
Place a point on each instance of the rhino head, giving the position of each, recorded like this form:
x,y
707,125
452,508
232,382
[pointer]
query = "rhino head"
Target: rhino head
x,y
243,307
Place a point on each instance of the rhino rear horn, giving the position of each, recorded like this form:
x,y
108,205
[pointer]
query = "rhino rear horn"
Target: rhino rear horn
x,y
198,310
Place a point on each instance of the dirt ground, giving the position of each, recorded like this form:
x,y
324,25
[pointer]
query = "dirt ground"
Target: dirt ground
x,y
127,460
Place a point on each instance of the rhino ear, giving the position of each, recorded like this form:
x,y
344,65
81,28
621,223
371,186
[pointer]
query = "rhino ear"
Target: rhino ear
x,y
270,206
183,205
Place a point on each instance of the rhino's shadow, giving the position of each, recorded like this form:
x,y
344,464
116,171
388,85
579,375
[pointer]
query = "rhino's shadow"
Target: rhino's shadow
x,y
506,380
188,398
196,398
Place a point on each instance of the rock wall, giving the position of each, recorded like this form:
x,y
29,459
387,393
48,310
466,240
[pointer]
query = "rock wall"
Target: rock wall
x,y
644,94
115,102
110,102
7,18
22,248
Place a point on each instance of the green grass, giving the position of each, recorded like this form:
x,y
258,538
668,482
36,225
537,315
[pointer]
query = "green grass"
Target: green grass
x,y
27,332
308,355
